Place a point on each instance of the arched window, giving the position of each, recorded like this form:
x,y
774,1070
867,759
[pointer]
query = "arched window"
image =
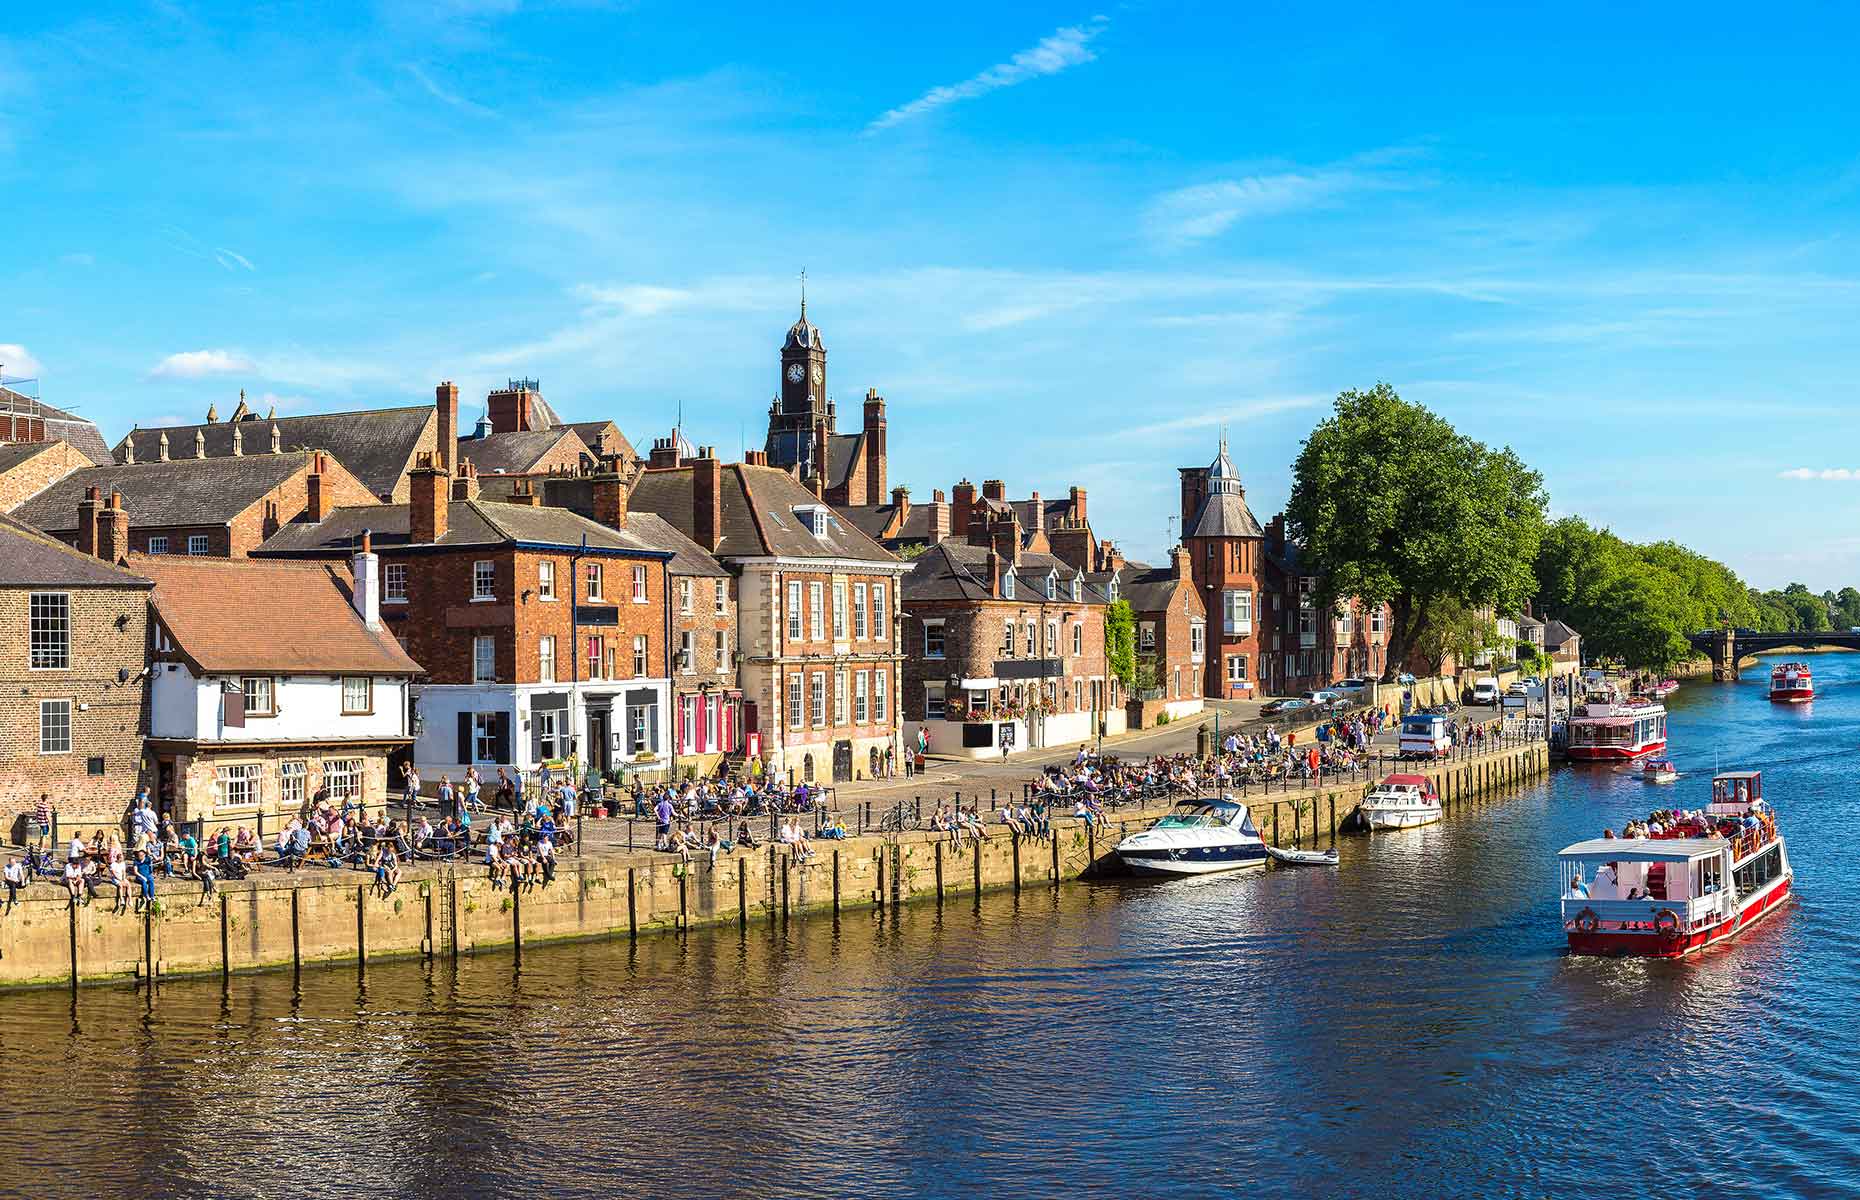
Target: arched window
x,y
807,769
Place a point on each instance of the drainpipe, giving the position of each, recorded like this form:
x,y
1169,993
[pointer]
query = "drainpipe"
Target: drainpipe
x,y
671,692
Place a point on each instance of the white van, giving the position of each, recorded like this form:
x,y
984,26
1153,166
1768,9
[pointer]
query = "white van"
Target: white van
x,y
1425,735
1485,690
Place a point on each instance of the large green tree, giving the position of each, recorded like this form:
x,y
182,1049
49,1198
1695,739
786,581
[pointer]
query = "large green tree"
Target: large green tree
x,y
1391,504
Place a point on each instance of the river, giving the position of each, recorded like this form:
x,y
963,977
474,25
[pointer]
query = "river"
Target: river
x,y
1405,1025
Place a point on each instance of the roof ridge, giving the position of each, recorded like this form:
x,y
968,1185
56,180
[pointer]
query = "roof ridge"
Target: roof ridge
x,y
477,506
352,412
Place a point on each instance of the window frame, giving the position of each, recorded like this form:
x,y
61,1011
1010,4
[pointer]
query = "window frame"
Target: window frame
x,y
294,782
642,653
56,644
335,769
816,615
797,615
936,626
394,583
368,689
545,580
545,658
879,632
251,774
478,645
483,580
201,540
270,684
46,709
158,543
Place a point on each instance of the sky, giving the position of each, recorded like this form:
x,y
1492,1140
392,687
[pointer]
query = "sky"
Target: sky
x,y
1069,244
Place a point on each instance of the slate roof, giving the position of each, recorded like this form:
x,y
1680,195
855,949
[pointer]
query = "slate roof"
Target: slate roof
x,y
185,491
591,433
1149,589
515,453
1556,633
377,446
324,635
468,523
81,432
756,514
874,519
843,452
954,570
1224,514
29,558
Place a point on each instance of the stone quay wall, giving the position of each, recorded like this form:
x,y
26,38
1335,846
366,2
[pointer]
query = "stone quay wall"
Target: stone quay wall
x,y
315,916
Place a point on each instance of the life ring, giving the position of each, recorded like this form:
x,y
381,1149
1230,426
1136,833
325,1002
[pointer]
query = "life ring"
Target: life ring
x,y
1666,923
1587,922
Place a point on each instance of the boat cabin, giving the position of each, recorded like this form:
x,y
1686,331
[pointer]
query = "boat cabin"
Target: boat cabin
x,y
1416,788
1625,885
1425,735
1207,814
1733,792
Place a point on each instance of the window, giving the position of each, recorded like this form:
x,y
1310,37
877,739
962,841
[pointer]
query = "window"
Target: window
x,y
1027,640
687,724
839,697
1052,585
1197,638
862,697
238,785
814,517
342,779
796,714
1236,668
1237,611
597,655
684,595
54,727
859,612
643,721
1078,694
723,650
51,631
878,697
158,545
934,706
1307,625
1052,638
259,699
484,737
933,639
794,612
483,580
816,616
639,584
1007,584
548,732
1078,638
196,543
1007,639
818,697
1111,589
545,659
545,579
292,777
394,583
722,601
839,612
484,660
1375,620
1146,635
358,695
1345,623
687,653
639,655
594,576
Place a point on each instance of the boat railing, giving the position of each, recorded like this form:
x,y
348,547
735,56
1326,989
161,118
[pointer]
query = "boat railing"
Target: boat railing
x,y
1638,915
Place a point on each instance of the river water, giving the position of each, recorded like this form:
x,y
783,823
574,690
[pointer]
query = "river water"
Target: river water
x,y
1405,1025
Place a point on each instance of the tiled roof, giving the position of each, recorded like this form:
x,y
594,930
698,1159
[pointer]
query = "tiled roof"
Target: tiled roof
x,y
591,433
29,558
377,446
515,453
468,523
843,451
14,453
1556,633
953,570
1224,515
205,605
81,432
874,519
184,491
756,514
1149,589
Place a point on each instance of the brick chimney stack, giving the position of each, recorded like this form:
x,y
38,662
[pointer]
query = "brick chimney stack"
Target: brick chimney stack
x,y
994,489
524,493
429,495
1184,564
1004,537
706,499
900,505
610,499
316,495
962,507
1275,535
1038,524
465,483
1078,505
446,396
88,508
874,448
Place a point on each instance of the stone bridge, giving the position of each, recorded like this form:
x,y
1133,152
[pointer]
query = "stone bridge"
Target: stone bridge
x,y
1724,646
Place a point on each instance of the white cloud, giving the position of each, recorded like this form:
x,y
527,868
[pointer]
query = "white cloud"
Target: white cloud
x,y
232,258
198,364
444,95
1237,415
1206,210
1840,473
1069,46
16,362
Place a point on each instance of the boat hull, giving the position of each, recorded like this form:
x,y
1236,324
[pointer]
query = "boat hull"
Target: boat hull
x,y
1791,696
1616,944
1613,753
1191,860
1393,819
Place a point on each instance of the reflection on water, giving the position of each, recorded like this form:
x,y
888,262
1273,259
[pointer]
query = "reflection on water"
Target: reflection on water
x,y
1403,1024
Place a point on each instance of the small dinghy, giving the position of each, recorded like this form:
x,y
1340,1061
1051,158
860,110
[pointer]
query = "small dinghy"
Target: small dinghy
x,y
1303,858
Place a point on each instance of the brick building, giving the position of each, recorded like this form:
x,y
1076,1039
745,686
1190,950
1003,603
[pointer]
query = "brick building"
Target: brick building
x,y
221,507
245,725
27,468
27,420
803,436
817,600
71,680
1227,552
1311,647
1003,645
1172,628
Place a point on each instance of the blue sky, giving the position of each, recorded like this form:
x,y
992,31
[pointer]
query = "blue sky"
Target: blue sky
x,y
1066,243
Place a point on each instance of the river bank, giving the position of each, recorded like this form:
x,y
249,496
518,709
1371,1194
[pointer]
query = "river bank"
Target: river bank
x,y
316,916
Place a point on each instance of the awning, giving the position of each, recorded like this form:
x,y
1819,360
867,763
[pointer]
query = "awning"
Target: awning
x,y
980,685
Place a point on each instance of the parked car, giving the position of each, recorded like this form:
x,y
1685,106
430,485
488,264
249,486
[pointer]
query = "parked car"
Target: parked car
x,y
1324,696
1289,704
1353,687
1405,679
1485,690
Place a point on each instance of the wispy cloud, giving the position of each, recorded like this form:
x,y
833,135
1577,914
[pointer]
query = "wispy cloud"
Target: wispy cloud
x,y
1237,414
444,95
1066,47
16,362
231,259
1205,210
1844,474
198,364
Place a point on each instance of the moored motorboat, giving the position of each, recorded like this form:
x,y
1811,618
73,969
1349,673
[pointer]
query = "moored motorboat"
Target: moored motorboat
x,y
1792,683
1660,770
1663,689
1196,837
1688,880
1303,858
1401,802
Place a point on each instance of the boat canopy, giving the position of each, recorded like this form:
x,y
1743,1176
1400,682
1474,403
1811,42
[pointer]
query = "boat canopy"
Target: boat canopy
x,y
1419,781
1642,849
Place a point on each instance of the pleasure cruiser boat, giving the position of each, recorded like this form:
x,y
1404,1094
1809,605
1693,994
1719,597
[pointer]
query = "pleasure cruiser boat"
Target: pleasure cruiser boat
x,y
1197,837
1616,730
1401,802
1705,879
1792,683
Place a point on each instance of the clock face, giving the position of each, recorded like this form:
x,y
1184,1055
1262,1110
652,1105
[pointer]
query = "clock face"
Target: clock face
x,y
818,375
795,373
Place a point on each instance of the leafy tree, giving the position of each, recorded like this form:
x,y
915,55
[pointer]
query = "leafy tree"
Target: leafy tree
x,y
1846,605
1391,504
1120,643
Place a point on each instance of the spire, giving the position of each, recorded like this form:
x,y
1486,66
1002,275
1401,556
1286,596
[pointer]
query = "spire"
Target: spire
x,y
803,295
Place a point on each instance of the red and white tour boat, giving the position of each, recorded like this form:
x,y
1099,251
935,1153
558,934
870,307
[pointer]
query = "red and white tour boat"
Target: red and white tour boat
x,y
1792,683
1701,878
1616,730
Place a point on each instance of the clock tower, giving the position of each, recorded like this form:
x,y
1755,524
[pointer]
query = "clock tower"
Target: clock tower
x,y
802,410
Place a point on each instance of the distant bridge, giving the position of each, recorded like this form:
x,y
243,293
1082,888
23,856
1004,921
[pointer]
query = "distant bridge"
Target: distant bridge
x,y
1726,646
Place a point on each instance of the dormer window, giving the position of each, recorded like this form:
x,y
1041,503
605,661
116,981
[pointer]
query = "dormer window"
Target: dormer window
x,y
814,518
1007,585
1052,585
1111,590
1078,588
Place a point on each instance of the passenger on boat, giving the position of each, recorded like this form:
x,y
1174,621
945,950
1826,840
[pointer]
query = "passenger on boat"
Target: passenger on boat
x,y
1578,890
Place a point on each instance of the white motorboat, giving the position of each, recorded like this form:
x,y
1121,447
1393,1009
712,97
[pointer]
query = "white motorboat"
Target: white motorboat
x,y
1660,770
1401,802
1303,858
1197,837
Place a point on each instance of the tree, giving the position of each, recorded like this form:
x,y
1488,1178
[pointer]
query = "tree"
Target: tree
x,y
1120,643
1392,505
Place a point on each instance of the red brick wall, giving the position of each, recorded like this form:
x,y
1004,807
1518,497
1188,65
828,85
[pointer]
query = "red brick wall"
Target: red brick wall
x,y
1174,656
972,639
1234,563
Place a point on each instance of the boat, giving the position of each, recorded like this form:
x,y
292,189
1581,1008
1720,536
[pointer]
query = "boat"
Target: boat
x,y
1703,880
1401,802
1660,770
1663,689
1792,683
1616,730
1196,837
1303,858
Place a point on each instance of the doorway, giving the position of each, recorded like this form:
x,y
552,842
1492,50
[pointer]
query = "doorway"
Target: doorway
x,y
600,741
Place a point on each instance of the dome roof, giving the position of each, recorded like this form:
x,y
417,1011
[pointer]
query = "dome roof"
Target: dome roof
x,y
803,334
1223,480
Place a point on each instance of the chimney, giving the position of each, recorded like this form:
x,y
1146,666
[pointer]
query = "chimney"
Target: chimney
x,y
428,496
994,573
1184,563
238,442
874,447
821,444
1038,523
164,445
1004,537
446,396
610,500
87,520
706,499
277,440
901,502
524,493
465,483
113,529
1275,535
271,523
937,496
664,453
755,458
316,498
1078,505
993,489
1110,558
366,594
939,520
962,504
200,443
